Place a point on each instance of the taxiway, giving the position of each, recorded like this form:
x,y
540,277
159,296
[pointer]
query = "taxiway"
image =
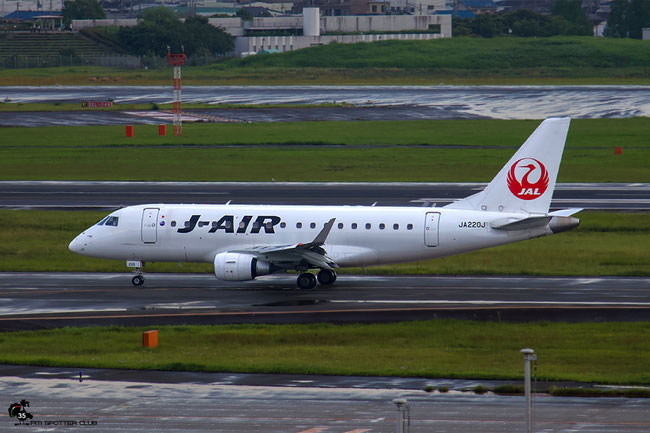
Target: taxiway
x,y
47,300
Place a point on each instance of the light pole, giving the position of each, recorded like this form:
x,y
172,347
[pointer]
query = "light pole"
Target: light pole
x,y
403,420
529,357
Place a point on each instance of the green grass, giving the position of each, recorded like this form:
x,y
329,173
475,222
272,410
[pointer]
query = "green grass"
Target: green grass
x,y
587,352
606,243
505,60
585,133
361,151
508,55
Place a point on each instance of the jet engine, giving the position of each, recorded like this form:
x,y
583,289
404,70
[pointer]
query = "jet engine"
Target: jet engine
x,y
239,267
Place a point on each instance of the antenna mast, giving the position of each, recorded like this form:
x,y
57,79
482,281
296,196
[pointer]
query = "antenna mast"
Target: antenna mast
x,y
176,60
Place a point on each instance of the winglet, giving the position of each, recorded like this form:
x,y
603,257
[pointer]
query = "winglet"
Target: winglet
x,y
322,236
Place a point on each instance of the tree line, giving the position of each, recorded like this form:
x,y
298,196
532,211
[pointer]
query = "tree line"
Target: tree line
x,y
628,18
158,29
567,18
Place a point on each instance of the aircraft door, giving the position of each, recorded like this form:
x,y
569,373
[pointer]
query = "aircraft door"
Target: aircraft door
x,y
431,224
150,225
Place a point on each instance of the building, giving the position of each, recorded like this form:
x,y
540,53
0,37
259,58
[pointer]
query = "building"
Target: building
x,y
480,6
43,20
539,6
311,29
333,8
319,30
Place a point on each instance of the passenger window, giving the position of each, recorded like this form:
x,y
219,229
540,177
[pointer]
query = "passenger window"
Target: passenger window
x,y
228,224
298,225
112,221
268,225
283,224
382,226
409,227
368,226
173,223
340,226
242,225
354,226
312,225
256,225
203,223
395,226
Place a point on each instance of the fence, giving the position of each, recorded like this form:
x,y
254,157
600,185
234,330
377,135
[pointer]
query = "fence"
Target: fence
x,y
129,62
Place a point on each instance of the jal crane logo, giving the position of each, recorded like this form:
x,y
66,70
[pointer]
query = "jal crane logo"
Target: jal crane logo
x,y
527,179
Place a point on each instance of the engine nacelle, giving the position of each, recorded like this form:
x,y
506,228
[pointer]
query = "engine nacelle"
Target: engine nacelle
x,y
239,267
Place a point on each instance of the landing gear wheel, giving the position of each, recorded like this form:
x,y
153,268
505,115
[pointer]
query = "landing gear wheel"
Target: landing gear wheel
x,y
326,277
138,280
306,281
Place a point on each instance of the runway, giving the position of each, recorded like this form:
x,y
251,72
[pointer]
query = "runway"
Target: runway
x,y
46,300
496,102
107,196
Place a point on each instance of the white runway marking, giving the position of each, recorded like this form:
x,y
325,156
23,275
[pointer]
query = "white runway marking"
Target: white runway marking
x,y
479,302
31,311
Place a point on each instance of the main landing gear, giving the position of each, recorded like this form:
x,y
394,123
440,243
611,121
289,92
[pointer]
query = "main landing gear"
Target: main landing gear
x,y
307,280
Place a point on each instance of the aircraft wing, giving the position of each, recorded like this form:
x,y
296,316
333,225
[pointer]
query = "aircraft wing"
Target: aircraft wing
x,y
312,252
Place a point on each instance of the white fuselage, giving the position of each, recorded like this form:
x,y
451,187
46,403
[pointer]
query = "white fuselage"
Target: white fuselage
x,y
360,236
244,241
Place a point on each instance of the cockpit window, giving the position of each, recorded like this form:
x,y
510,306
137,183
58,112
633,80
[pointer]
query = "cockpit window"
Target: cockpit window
x,y
112,221
101,223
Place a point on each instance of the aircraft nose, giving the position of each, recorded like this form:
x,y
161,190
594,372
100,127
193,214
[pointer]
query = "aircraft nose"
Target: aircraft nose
x,y
78,244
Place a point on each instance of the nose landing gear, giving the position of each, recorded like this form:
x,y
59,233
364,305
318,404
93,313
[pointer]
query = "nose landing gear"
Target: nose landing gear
x,y
138,266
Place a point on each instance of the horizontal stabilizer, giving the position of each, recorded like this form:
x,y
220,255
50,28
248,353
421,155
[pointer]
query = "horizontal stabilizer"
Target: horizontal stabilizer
x,y
557,223
566,212
524,224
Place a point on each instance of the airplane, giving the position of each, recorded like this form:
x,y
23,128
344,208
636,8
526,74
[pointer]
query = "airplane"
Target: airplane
x,y
247,241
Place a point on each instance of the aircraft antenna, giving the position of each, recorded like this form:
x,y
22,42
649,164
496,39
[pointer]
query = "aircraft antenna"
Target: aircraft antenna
x,y
177,60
